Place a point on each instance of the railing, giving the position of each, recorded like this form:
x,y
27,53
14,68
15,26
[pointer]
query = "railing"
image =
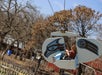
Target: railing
x,y
11,66
9,69
86,70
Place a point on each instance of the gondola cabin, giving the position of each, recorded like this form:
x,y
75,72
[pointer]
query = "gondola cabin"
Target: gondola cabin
x,y
54,49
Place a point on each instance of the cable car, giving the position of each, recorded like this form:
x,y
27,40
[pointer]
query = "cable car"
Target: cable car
x,y
54,48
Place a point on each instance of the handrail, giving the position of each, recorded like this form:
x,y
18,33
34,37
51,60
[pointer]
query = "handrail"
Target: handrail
x,y
89,67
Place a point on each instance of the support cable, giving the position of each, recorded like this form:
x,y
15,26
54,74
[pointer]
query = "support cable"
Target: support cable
x,y
64,4
51,6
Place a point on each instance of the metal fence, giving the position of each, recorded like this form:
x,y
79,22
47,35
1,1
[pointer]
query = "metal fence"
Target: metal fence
x,y
86,70
9,69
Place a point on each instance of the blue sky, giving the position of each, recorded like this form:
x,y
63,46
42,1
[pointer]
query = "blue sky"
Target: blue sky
x,y
44,7
58,5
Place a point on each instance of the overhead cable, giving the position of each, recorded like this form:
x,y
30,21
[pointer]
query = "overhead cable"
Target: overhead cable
x,y
64,4
51,6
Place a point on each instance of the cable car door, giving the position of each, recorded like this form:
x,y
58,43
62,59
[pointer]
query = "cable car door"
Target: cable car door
x,y
88,49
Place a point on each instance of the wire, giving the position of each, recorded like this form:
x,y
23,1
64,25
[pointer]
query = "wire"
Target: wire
x,y
51,6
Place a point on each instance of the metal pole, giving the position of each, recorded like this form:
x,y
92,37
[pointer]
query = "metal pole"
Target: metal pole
x,y
64,4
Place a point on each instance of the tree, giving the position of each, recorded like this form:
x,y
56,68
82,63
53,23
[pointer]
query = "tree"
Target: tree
x,y
17,21
81,20
41,30
84,20
99,32
61,20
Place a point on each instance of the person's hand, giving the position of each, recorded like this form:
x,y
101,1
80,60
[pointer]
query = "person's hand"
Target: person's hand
x,y
67,51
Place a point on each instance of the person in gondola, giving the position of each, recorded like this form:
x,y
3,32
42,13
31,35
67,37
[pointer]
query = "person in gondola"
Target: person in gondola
x,y
70,54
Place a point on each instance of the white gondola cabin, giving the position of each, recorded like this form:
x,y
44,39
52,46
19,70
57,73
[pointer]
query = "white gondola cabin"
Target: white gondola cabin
x,y
54,48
